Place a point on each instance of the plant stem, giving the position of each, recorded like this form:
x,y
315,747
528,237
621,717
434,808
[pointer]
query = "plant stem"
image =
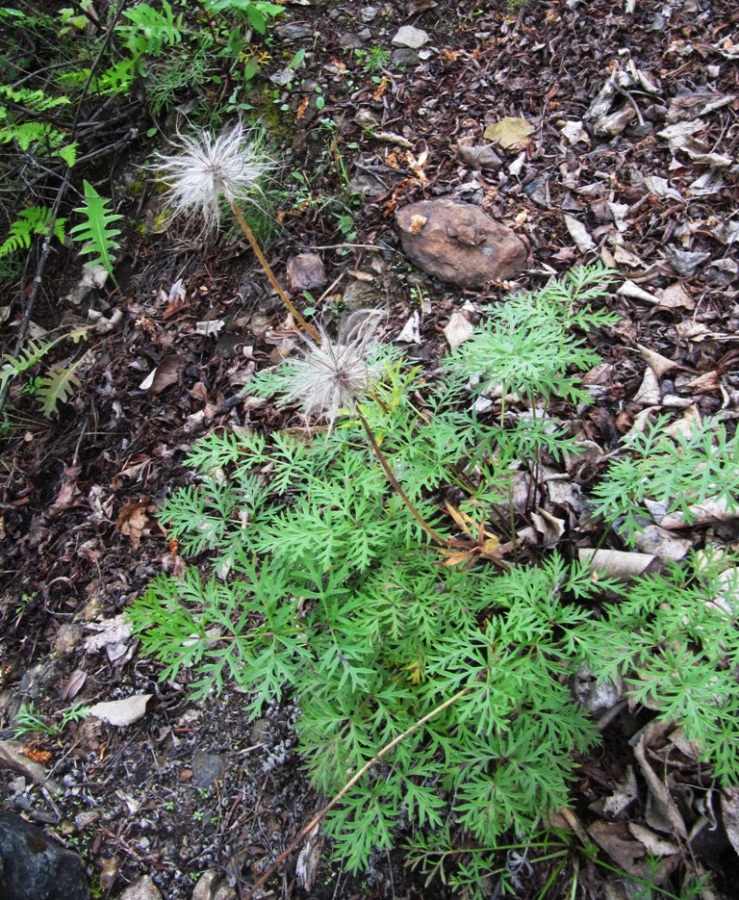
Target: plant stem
x,y
304,832
244,225
437,538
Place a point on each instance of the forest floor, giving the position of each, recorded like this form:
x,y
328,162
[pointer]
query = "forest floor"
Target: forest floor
x,y
194,788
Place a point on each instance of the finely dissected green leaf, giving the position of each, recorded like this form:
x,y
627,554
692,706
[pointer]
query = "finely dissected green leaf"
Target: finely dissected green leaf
x,y
324,584
100,239
26,359
30,222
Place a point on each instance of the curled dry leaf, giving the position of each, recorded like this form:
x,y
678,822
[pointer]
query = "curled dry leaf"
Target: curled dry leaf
x,y
579,234
73,685
458,330
649,393
659,364
122,712
165,374
619,564
634,292
411,332
133,520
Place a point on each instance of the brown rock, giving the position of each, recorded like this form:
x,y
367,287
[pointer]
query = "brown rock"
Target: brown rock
x,y
305,272
458,242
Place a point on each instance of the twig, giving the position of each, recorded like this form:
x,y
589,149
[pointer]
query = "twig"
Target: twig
x,y
437,538
306,326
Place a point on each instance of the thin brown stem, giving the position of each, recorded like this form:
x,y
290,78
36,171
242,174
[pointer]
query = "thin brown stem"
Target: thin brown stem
x,y
437,538
304,832
244,225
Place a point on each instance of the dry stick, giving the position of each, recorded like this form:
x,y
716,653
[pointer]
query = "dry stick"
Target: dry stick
x,y
306,326
350,784
437,538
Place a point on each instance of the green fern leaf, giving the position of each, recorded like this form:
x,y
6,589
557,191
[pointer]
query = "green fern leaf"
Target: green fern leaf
x,y
151,30
26,358
30,222
57,386
100,239
37,101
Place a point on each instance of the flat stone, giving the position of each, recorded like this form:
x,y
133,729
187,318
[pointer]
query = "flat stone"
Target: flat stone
x,y
479,156
207,768
305,272
459,243
292,32
212,886
33,867
143,889
408,36
404,56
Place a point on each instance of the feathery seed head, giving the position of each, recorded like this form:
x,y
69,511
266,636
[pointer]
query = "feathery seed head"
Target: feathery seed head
x,y
208,171
334,374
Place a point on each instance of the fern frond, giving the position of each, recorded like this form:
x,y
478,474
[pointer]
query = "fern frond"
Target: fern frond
x,y
30,222
100,239
26,358
58,385
42,137
151,30
37,101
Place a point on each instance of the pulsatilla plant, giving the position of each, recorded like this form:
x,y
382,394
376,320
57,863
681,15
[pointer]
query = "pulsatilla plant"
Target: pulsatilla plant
x,y
441,688
209,172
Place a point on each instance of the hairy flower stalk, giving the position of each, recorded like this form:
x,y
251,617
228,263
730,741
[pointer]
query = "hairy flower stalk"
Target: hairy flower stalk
x,y
336,374
208,171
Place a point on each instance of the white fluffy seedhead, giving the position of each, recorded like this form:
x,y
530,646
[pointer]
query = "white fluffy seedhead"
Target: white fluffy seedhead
x,y
335,374
207,171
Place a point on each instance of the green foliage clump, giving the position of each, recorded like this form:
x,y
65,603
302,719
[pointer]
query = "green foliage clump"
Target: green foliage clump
x,y
323,586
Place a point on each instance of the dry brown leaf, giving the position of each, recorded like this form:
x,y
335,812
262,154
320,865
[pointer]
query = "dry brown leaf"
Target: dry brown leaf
x,y
649,393
634,292
654,844
510,133
705,383
121,713
675,296
619,564
663,802
458,330
659,364
73,685
133,520
165,374
579,234
68,493
112,631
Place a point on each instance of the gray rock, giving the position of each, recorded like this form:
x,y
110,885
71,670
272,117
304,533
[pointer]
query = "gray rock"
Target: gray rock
x,y
292,32
404,56
33,867
459,243
408,36
143,889
479,156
